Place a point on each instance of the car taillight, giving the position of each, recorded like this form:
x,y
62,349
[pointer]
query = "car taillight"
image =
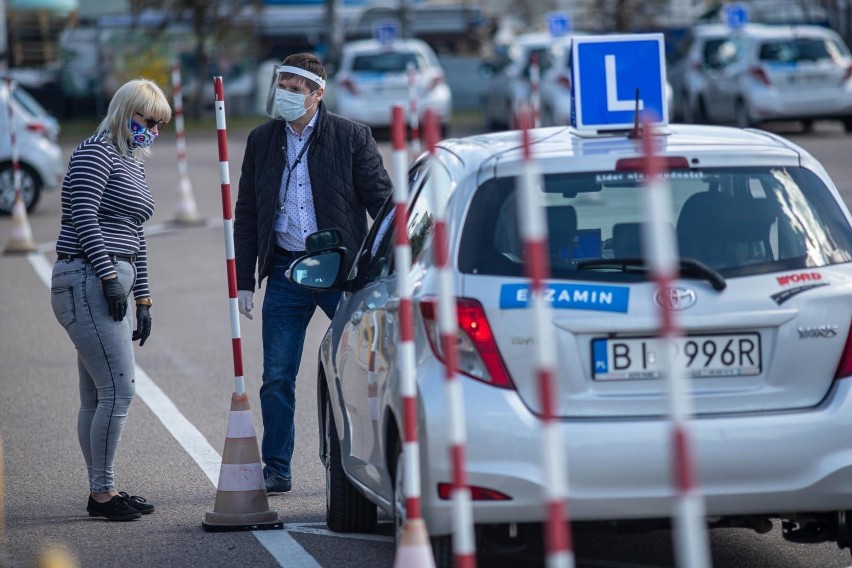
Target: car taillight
x,y
844,369
37,127
478,356
564,81
848,74
435,82
760,74
445,492
349,85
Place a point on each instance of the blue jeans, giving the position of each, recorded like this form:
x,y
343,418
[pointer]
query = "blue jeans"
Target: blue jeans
x,y
105,363
287,310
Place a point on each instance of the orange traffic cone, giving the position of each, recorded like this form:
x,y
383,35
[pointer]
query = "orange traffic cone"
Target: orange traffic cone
x,y
241,503
414,550
21,240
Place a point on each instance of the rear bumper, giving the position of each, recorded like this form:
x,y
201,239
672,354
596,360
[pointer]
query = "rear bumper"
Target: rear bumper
x,y
377,112
772,105
775,463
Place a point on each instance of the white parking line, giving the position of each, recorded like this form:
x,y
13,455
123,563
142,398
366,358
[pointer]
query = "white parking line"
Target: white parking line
x,y
280,544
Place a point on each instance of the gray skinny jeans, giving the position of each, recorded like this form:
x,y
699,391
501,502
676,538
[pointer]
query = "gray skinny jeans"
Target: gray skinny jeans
x,y
104,361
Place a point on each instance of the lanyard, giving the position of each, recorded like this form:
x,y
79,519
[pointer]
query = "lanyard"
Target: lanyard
x,y
291,167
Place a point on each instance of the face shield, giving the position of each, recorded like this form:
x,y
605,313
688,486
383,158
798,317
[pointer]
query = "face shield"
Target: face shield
x,y
277,70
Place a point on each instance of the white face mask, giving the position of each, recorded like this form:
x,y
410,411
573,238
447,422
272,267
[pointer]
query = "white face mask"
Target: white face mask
x,y
291,106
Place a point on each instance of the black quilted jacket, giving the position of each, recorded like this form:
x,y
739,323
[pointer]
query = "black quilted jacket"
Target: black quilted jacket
x,y
348,180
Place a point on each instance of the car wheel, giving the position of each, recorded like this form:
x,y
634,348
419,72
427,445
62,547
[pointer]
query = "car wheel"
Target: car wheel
x,y
442,550
346,510
807,125
30,187
847,125
743,118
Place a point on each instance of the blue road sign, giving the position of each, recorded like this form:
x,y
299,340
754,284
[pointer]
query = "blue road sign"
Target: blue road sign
x,y
558,24
385,31
736,15
609,72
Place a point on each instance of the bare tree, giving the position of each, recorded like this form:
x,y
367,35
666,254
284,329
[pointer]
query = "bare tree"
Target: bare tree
x,y
628,15
213,23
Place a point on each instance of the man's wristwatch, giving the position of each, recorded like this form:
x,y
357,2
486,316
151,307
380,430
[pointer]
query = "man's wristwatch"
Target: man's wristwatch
x,y
145,302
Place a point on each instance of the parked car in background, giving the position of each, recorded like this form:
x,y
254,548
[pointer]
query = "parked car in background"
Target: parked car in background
x,y
39,155
764,305
508,76
373,77
780,73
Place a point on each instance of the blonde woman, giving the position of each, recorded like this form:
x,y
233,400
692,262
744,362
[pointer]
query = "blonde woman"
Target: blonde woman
x,y
101,260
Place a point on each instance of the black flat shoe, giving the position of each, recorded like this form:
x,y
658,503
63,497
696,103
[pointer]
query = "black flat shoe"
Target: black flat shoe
x,y
138,503
116,509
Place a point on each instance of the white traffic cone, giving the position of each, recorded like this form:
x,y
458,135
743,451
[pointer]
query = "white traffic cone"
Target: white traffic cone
x,y
21,239
414,550
186,212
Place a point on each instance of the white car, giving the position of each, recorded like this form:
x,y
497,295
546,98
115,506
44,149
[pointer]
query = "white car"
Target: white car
x,y
373,77
39,155
780,73
764,302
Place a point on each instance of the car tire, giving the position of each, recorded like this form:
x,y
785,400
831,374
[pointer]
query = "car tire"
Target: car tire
x,y
442,550
847,125
743,119
346,510
399,509
31,186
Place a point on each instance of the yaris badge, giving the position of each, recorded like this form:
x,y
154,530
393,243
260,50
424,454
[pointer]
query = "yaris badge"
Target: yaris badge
x,y
676,297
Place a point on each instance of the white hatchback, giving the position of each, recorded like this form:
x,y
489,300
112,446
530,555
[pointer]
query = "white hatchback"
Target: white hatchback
x,y
39,155
373,78
764,300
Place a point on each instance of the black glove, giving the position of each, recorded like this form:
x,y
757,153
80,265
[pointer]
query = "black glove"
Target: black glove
x,y
143,323
116,298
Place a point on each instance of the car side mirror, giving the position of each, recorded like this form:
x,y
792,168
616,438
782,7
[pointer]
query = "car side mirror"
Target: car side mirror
x,y
321,270
322,240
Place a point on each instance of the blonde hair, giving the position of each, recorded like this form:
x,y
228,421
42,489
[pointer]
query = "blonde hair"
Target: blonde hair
x,y
138,95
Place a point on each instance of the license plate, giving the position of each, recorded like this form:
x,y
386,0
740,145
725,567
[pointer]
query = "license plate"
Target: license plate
x,y
698,355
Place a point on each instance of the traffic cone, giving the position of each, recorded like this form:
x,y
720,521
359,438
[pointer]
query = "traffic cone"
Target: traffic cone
x,y
186,212
414,550
241,503
21,240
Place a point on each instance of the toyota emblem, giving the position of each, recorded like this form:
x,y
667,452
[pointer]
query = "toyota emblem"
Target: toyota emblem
x,y
676,297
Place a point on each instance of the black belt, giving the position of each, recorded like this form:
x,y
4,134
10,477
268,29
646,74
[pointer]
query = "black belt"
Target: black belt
x,y
282,252
113,257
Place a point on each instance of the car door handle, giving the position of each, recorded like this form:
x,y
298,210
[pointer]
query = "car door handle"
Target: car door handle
x,y
356,316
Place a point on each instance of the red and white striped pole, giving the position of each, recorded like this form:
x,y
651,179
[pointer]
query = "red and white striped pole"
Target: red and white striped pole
x,y
464,547
186,212
21,239
228,219
413,112
692,548
533,229
414,550
535,90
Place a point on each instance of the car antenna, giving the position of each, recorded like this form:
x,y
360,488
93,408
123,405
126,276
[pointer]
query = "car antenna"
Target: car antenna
x,y
636,132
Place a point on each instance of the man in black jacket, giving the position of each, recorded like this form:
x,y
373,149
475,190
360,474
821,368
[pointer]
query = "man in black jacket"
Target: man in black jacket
x,y
303,171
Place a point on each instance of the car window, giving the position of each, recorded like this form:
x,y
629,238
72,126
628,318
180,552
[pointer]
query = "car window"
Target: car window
x,y
421,215
738,221
29,103
390,62
710,50
800,49
375,258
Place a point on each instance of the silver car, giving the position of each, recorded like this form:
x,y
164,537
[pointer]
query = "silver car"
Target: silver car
x,y
780,73
373,78
764,302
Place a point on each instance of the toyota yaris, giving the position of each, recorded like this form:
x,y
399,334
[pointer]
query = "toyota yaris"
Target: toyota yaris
x,y
764,302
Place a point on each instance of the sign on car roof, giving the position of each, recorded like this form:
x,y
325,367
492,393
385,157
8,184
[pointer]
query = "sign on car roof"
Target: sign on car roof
x,y
615,74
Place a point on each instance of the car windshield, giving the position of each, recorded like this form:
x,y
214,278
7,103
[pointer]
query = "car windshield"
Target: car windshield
x,y
800,49
389,62
737,222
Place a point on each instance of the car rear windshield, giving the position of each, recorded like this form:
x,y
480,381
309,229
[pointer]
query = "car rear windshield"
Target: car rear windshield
x,y
800,49
391,62
739,222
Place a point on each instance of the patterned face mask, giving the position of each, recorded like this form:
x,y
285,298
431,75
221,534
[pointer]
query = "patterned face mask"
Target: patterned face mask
x,y
140,137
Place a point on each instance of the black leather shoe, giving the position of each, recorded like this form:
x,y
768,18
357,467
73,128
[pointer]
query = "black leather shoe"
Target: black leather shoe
x,y
138,503
116,509
275,485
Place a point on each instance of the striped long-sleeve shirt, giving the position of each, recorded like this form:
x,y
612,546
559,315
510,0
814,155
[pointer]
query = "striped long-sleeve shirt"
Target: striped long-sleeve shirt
x,y
105,200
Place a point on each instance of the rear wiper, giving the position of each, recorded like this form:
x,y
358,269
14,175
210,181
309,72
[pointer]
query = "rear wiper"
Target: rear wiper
x,y
689,268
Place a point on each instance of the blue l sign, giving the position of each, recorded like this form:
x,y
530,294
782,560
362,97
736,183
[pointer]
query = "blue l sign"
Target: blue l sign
x,y
384,32
609,73
736,15
558,24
